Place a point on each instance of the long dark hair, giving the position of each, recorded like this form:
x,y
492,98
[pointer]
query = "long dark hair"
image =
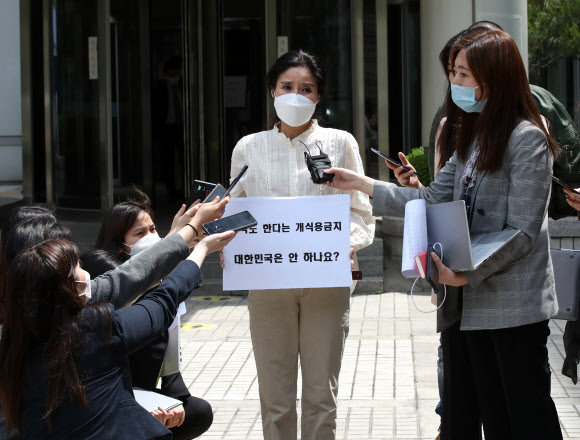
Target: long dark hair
x,y
22,213
33,229
118,220
496,64
296,58
43,307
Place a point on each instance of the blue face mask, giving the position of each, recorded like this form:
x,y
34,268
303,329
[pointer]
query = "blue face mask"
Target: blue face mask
x,y
464,98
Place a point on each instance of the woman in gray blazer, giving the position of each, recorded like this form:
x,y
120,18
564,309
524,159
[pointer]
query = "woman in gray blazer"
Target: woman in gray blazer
x,y
502,168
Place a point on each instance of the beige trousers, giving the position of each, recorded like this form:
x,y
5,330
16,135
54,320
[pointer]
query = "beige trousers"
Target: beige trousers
x,y
284,324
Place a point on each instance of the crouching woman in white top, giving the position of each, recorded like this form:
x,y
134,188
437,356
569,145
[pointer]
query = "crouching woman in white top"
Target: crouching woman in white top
x,y
312,323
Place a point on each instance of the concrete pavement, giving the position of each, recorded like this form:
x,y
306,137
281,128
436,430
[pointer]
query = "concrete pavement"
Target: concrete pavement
x,y
388,383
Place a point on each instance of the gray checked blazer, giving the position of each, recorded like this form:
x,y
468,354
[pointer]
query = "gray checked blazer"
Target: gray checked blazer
x,y
516,286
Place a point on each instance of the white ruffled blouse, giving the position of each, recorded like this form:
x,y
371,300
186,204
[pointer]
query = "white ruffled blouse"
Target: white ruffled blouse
x,y
277,169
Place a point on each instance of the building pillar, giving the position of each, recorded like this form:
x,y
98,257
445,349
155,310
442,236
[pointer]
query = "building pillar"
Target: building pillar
x,y
440,20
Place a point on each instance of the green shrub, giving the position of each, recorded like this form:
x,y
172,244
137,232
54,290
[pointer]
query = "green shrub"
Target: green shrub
x,y
420,161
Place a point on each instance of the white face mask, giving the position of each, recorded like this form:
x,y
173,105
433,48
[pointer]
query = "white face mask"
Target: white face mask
x,y
87,292
143,243
293,109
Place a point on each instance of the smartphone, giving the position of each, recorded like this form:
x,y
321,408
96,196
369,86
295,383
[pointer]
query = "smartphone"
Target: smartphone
x,y
432,274
236,180
217,191
199,190
564,184
394,162
236,222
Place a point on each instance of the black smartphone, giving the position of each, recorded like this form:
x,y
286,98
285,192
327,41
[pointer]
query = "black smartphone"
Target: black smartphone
x,y
432,274
236,222
217,191
394,162
236,180
199,190
564,184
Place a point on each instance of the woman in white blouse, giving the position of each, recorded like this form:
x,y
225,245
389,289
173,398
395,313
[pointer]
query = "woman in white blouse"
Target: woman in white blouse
x,y
286,323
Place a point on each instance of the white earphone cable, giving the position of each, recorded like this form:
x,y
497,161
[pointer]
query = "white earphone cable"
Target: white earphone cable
x,y
444,287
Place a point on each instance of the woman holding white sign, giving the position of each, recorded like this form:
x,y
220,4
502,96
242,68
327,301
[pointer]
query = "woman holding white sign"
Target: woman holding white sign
x,y
310,323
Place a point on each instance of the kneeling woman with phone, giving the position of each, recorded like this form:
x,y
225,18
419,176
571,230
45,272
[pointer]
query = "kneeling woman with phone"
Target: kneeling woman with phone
x,y
127,230
288,323
496,359
63,363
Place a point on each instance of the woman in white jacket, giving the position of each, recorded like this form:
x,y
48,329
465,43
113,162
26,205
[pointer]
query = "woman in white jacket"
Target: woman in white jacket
x,y
286,323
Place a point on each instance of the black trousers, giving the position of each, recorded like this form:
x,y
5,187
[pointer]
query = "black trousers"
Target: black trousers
x,y
198,419
460,419
511,375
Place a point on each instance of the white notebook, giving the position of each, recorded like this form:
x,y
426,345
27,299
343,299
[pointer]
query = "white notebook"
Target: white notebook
x,y
151,400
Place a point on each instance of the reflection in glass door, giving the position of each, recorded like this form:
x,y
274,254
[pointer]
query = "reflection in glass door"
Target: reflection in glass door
x,y
130,95
75,128
155,102
244,74
323,28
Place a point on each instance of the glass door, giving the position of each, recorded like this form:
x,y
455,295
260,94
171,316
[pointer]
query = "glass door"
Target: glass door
x,y
244,77
323,28
156,98
124,99
75,170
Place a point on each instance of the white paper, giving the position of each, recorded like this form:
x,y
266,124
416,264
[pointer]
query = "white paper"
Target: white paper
x,y
150,400
414,236
172,359
180,311
331,244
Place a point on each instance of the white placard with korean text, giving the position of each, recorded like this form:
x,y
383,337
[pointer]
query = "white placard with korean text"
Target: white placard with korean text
x,y
299,242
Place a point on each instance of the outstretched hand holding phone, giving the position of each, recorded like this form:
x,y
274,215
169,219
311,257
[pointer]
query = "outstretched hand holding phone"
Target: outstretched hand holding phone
x,y
573,199
405,172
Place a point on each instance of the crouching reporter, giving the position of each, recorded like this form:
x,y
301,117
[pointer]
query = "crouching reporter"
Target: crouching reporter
x,y
62,361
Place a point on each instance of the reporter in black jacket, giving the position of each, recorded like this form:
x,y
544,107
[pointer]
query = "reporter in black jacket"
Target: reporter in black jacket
x,y
126,232
61,362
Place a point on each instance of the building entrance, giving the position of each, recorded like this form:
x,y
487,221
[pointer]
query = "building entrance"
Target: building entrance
x,y
156,93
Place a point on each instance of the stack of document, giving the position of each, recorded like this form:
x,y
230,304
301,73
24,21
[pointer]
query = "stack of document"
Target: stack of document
x,y
446,224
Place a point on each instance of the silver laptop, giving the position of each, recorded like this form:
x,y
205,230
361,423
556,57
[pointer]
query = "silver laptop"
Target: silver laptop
x,y
567,274
447,224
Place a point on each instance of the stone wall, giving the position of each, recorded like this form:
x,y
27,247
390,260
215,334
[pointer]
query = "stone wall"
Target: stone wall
x,y
565,233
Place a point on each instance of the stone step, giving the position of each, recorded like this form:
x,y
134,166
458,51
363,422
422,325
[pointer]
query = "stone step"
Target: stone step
x,y
212,270
371,265
369,285
214,287
375,249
